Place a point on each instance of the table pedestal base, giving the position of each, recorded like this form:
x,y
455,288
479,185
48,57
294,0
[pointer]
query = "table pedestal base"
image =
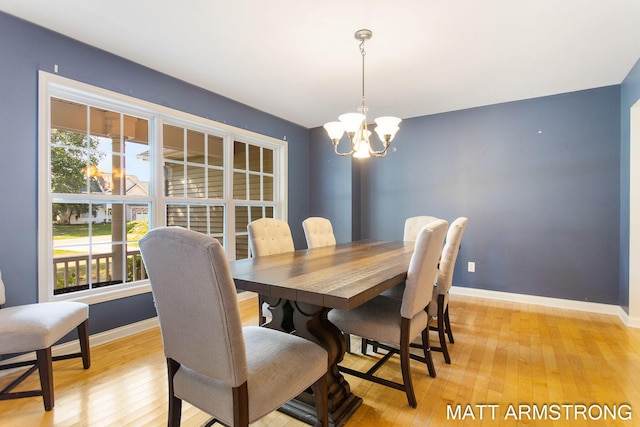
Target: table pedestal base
x,y
310,321
307,413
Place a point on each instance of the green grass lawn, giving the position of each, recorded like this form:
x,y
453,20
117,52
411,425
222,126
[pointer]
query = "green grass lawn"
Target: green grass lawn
x,y
135,229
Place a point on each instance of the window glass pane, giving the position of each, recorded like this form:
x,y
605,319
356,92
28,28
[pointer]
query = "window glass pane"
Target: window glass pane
x,y
256,212
268,212
242,247
137,222
268,188
242,219
173,142
216,184
239,155
174,179
267,160
215,150
64,221
216,220
254,158
177,215
198,219
195,147
254,187
195,181
68,116
136,148
239,186
68,170
106,124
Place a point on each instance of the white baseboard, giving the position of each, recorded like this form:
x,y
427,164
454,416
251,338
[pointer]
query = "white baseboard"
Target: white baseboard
x,y
593,307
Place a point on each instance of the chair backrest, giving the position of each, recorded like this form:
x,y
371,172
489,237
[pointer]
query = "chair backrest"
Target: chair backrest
x,y
423,268
450,254
269,236
196,302
318,232
414,224
2,295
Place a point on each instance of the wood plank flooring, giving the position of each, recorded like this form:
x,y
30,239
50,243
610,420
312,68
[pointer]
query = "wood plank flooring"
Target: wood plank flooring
x,y
507,356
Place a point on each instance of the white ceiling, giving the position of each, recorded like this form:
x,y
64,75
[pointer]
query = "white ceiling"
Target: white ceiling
x,y
299,60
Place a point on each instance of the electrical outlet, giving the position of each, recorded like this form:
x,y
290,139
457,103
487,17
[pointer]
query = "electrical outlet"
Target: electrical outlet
x,y
471,267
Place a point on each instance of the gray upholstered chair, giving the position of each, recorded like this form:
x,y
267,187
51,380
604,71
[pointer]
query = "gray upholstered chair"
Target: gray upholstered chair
x,y
237,374
37,327
268,236
439,306
395,323
318,232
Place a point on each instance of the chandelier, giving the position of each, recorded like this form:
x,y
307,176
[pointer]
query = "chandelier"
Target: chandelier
x,y
355,124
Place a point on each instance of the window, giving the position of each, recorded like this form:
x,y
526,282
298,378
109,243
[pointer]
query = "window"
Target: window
x,y
115,166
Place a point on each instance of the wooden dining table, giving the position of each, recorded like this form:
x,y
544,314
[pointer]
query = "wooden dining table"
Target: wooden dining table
x,y
301,287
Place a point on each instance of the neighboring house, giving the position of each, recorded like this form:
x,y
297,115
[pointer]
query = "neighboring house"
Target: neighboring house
x,y
103,213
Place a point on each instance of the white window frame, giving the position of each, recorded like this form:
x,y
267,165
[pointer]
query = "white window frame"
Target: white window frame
x,y
51,85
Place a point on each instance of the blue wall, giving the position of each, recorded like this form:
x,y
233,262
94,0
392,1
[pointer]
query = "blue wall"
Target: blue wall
x,y
630,94
24,50
539,180
548,211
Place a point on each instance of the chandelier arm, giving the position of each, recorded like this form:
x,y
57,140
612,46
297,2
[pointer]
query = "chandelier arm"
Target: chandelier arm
x,y
336,142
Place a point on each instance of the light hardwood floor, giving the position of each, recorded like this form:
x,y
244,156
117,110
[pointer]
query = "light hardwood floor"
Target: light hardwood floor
x,y
504,354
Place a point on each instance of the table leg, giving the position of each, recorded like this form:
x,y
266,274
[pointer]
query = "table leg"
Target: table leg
x,y
310,322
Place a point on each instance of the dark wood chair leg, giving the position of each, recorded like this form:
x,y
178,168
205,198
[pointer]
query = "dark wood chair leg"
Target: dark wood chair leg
x,y
347,342
175,404
83,337
46,376
441,330
405,362
426,347
320,394
241,405
448,324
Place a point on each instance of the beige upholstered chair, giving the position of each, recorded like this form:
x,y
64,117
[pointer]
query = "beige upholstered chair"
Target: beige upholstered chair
x,y
236,374
439,305
414,224
269,236
37,327
412,227
395,323
318,232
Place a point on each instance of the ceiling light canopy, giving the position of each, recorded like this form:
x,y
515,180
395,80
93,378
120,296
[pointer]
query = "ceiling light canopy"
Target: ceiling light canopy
x,y
355,124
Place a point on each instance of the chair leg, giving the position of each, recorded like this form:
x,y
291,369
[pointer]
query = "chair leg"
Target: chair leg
x,y
46,376
347,342
405,362
320,394
448,324
175,404
83,337
241,405
441,330
426,347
